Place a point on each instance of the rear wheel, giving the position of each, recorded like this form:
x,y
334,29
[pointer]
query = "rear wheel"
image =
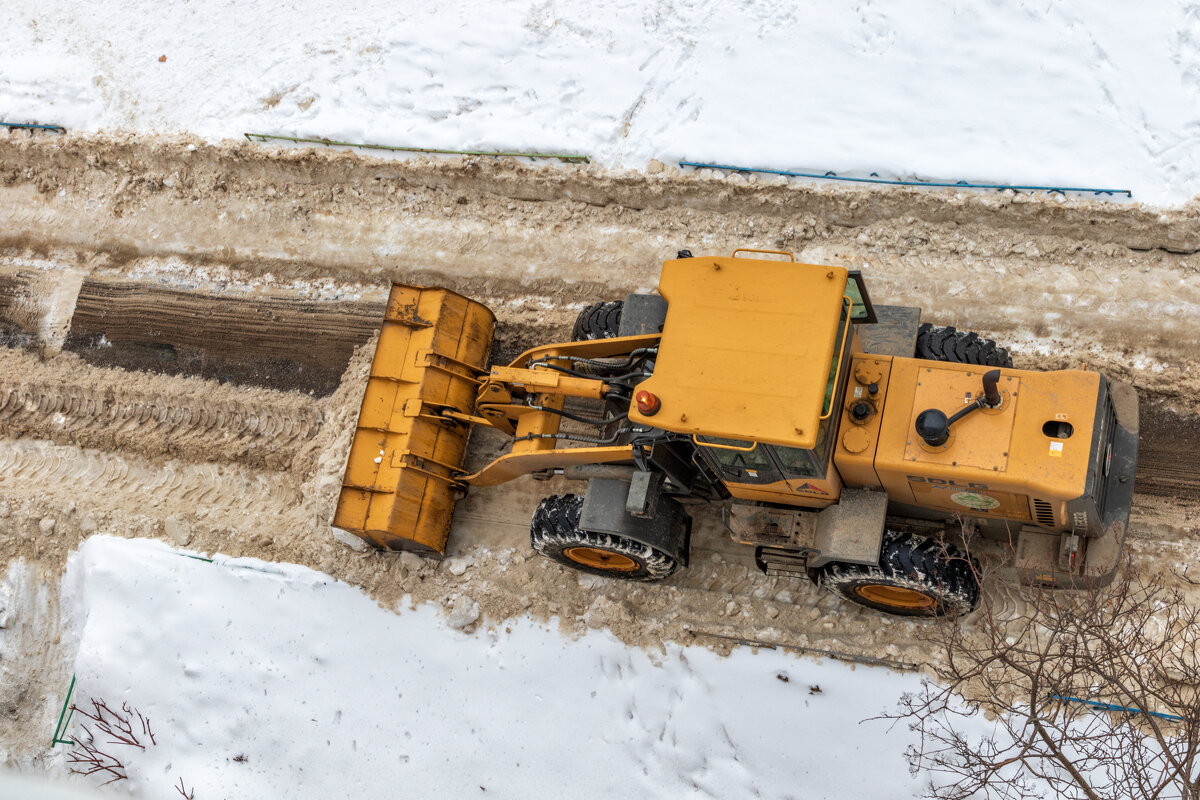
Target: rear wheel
x,y
961,347
598,321
917,576
555,534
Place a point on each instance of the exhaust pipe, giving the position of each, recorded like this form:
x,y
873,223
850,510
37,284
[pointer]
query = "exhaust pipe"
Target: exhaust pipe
x,y
934,427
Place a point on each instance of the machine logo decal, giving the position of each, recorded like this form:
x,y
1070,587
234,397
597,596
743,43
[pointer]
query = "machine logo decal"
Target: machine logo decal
x,y
808,487
946,484
979,502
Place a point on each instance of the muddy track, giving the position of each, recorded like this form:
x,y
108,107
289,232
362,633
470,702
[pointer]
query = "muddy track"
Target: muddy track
x,y
229,422
188,488
1169,454
185,360
47,506
67,402
280,342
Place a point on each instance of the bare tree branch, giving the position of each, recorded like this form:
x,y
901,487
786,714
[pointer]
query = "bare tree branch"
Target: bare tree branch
x,y
1030,660
88,758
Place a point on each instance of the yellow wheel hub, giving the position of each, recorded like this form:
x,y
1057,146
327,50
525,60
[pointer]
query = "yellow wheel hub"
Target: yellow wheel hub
x,y
601,559
895,596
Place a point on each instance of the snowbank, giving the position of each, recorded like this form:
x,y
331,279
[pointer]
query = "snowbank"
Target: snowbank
x,y
262,679
1071,93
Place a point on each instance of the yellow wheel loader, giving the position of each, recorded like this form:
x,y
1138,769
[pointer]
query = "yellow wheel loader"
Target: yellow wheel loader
x,y
843,441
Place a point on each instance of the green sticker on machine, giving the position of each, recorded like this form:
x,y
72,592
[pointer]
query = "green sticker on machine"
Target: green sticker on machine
x,y
979,502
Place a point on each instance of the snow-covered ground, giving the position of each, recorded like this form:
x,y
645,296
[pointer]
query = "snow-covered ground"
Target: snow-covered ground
x,y
265,680
1060,93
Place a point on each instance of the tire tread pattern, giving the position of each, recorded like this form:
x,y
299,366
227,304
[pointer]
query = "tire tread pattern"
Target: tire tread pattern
x,y
555,529
947,343
598,321
913,561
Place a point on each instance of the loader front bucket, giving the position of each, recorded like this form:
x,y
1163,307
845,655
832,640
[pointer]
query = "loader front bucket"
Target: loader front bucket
x,y
401,476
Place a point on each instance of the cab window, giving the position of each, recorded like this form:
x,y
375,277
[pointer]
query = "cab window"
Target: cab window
x,y
798,463
838,371
740,461
760,463
856,289
835,366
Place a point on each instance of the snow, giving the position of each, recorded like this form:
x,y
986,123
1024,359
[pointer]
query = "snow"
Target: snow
x,y
264,679
1060,93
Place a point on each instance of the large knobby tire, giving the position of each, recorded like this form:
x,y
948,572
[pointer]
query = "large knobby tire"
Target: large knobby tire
x,y
961,347
598,321
917,576
555,534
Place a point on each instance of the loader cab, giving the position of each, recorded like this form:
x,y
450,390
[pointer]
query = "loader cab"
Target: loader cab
x,y
802,476
752,365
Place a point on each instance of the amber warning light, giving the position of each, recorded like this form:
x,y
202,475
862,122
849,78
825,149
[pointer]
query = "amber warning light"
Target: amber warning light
x,y
648,404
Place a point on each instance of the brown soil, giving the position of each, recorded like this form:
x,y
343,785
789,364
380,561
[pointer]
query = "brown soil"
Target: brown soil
x,y
277,342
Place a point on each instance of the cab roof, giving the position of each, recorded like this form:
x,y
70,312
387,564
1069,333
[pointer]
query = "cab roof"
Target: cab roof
x,y
746,348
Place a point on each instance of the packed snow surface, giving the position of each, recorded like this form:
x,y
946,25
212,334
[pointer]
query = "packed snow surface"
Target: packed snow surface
x,y
1060,93
261,679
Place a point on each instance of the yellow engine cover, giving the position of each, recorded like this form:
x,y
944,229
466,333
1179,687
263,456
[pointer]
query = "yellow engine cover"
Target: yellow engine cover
x,y
997,460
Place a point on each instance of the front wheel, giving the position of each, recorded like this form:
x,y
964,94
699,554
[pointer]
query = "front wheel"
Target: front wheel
x,y
917,576
555,534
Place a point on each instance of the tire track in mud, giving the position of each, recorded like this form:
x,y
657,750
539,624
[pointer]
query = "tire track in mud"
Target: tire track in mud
x,y
261,433
59,398
1168,454
205,490
189,426
720,601
1110,283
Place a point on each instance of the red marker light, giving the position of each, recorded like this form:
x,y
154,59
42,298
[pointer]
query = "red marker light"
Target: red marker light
x,y
647,404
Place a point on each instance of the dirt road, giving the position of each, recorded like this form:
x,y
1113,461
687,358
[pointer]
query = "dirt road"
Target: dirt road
x,y
188,330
